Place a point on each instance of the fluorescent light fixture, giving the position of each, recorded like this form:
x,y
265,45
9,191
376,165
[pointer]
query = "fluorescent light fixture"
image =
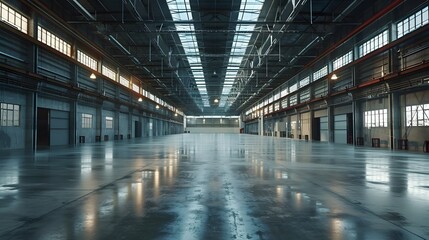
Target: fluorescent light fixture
x,y
92,76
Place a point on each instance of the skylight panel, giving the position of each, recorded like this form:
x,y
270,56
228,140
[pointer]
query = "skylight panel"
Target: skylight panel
x,y
249,11
181,11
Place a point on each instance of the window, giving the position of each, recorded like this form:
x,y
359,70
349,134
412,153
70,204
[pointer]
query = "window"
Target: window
x,y
293,100
304,82
136,88
413,22
375,118
374,43
277,106
417,115
108,72
53,41
276,96
9,115
86,120
343,60
86,60
284,92
284,103
293,88
320,73
124,81
109,122
13,18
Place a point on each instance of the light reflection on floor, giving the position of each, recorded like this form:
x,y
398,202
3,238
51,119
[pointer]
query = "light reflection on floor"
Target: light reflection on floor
x,y
214,187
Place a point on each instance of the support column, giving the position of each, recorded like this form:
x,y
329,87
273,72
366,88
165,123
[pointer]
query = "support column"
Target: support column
x,y
99,123
288,127
116,123
394,119
310,124
261,126
31,119
31,122
357,121
330,111
130,124
73,122
74,107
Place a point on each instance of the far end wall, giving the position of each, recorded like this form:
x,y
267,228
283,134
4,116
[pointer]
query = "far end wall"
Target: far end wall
x,y
213,129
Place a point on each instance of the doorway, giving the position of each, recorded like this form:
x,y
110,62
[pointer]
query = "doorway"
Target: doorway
x,y
349,128
316,129
43,128
137,129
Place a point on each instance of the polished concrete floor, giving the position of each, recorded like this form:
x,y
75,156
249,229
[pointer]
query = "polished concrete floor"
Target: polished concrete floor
x,y
208,186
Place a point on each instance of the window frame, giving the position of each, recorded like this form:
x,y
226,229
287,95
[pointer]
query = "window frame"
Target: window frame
x,y
10,115
86,120
109,122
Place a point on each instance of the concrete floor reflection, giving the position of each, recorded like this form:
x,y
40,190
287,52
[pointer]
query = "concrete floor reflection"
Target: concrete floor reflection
x,y
202,186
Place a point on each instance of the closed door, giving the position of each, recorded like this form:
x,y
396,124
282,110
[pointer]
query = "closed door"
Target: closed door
x,y
324,133
340,128
59,127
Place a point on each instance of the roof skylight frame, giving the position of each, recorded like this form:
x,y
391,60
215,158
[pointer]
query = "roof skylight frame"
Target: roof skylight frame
x,y
249,11
181,11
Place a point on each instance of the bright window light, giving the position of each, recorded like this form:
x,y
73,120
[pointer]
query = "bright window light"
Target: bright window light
x,y
374,43
249,11
413,22
13,18
320,73
181,11
53,41
108,72
125,82
86,60
343,60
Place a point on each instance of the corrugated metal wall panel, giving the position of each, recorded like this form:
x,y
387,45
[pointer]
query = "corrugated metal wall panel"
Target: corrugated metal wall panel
x,y
84,80
372,68
304,95
320,89
53,66
109,89
13,50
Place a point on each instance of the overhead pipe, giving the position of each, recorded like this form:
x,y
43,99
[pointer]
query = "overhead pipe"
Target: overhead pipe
x,y
347,10
310,44
81,9
119,45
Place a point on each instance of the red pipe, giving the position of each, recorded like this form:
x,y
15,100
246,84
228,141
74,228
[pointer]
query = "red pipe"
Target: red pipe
x,y
357,30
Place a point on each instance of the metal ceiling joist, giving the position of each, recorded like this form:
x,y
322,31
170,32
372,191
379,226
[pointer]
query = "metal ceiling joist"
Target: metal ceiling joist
x,y
82,10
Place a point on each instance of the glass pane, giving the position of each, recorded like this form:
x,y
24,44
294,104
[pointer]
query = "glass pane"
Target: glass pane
x,y
425,15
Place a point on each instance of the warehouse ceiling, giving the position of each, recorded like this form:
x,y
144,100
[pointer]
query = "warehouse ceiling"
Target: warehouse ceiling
x,y
214,57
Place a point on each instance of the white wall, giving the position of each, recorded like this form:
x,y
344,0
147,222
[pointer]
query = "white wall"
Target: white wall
x,y
212,130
